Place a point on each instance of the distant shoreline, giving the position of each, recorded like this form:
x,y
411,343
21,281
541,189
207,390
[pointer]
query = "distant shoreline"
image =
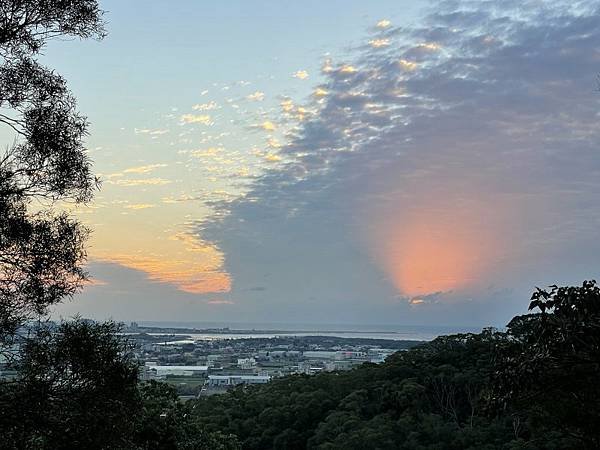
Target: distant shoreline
x,y
193,333
176,330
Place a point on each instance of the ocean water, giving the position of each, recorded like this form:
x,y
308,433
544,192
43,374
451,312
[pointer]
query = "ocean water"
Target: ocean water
x,y
269,330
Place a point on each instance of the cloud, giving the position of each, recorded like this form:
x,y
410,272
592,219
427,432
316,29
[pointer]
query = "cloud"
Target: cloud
x,y
203,119
187,274
267,125
94,282
257,96
181,199
429,46
476,154
406,65
217,301
130,297
137,206
210,152
347,68
142,182
383,24
300,74
257,288
204,107
271,157
320,92
151,132
144,169
297,112
273,143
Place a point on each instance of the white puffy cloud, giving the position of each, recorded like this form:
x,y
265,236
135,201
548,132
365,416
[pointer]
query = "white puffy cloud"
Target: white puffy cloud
x,y
300,74
257,96
203,119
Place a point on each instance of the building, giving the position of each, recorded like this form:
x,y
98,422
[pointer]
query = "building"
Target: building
x,y
246,363
319,354
337,355
188,371
234,380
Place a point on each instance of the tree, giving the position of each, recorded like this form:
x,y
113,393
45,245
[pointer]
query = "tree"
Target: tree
x,y
77,387
41,251
548,371
165,423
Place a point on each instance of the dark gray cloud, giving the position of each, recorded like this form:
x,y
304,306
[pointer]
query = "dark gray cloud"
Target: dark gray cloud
x,y
484,117
125,294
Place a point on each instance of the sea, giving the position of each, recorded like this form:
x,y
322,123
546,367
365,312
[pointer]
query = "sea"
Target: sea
x,y
241,330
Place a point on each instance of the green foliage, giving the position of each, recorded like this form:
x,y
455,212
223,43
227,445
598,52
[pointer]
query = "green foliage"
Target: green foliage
x,y
165,423
531,387
548,370
76,388
41,252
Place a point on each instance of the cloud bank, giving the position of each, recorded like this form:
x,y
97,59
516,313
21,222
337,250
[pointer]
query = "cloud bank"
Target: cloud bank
x,y
447,169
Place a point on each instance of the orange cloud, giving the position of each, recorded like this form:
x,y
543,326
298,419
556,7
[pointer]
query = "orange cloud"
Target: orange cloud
x,y
182,260
185,275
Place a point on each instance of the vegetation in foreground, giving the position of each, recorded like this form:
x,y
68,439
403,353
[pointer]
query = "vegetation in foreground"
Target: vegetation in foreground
x,y
531,387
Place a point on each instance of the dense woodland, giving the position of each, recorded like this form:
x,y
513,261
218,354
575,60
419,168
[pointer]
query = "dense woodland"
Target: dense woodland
x,y
533,386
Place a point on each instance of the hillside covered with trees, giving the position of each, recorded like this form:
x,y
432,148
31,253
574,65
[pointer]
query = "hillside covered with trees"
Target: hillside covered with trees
x,y
531,387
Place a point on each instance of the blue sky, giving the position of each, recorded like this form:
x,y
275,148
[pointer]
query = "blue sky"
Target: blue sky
x,y
338,162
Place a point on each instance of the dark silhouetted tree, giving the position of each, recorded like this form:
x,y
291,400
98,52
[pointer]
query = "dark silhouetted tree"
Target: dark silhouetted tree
x,y
41,250
548,370
165,423
77,387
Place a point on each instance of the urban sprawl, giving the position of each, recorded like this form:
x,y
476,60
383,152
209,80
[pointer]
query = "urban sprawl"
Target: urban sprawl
x,y
198,367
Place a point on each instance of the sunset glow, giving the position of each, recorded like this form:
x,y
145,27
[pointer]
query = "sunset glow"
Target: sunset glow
x,y
437,247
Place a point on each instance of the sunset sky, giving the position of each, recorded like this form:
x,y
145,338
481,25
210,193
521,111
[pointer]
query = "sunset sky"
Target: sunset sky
x,y
373,162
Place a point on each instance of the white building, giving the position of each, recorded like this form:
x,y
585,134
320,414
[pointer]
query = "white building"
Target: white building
x,y
338,355
189,371
246,363
318,354
234,380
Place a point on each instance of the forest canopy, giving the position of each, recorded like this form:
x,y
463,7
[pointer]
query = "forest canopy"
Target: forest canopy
x,y
532,386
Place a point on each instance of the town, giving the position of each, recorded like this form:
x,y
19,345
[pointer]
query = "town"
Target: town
x,y
199,367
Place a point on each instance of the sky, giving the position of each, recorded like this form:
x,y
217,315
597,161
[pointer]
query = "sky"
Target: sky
x,y
339,162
